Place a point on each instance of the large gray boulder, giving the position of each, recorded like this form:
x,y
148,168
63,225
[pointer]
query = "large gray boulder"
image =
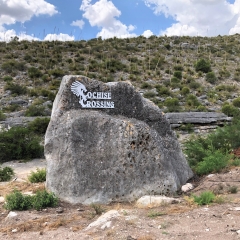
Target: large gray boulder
x,y
119,153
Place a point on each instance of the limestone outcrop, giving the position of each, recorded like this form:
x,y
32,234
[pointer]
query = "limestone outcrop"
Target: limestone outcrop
x,y
106,143
200,118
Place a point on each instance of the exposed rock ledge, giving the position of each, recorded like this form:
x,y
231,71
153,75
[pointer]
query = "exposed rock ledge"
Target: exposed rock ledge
x,y
199,118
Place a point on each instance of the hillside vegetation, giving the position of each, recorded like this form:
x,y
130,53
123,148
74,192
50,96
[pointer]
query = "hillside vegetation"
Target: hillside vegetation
x,y
176,73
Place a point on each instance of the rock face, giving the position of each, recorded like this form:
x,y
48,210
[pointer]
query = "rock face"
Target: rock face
x,y
118,153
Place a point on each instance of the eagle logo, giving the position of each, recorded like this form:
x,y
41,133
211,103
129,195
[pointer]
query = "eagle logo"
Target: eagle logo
x,y
79,89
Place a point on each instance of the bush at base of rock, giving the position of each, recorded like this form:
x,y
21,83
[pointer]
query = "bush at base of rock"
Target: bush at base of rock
x,y
213,162
38,176
17,201
212,153
19,143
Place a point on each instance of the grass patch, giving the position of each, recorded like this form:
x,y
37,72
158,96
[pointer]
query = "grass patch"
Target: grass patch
x,y
153,214
205,198
97,208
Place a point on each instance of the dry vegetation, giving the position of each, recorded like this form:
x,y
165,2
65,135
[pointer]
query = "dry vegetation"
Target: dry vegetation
x,y
163,68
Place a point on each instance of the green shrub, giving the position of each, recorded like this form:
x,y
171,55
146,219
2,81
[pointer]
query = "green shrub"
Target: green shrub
x,y
201,108
211,78
163,91
178,74
233,189
12,108
205,198
211,153
16,88
228,88
230,110
55,84
146,85
17,201
149,94
224,73
203,66
192,101
12,65
187,127
172,104
34,72
7,78
28,58
178,68
57,72
39,125
33,92
38,176
19,143
46,78
2,116
185,90
6,174
35,110
236,102
175,80
215,161
194,85
168,71
43,199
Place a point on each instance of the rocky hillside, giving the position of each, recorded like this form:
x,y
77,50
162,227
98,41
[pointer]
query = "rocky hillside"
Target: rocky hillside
x,y
179,74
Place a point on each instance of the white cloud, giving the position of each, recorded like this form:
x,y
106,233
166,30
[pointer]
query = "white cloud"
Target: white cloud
x,y
8,35
103,14
12,11
59,37
199,17
236,9
131,28
78,23
147,33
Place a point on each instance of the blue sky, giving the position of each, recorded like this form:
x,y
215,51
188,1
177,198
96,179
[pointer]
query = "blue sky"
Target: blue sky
x,y
75,20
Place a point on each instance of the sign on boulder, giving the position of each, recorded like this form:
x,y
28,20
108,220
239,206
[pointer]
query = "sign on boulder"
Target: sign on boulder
x,y
105,143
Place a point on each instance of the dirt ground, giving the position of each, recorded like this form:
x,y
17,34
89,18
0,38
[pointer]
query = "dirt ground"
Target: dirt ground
x,y
183,220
